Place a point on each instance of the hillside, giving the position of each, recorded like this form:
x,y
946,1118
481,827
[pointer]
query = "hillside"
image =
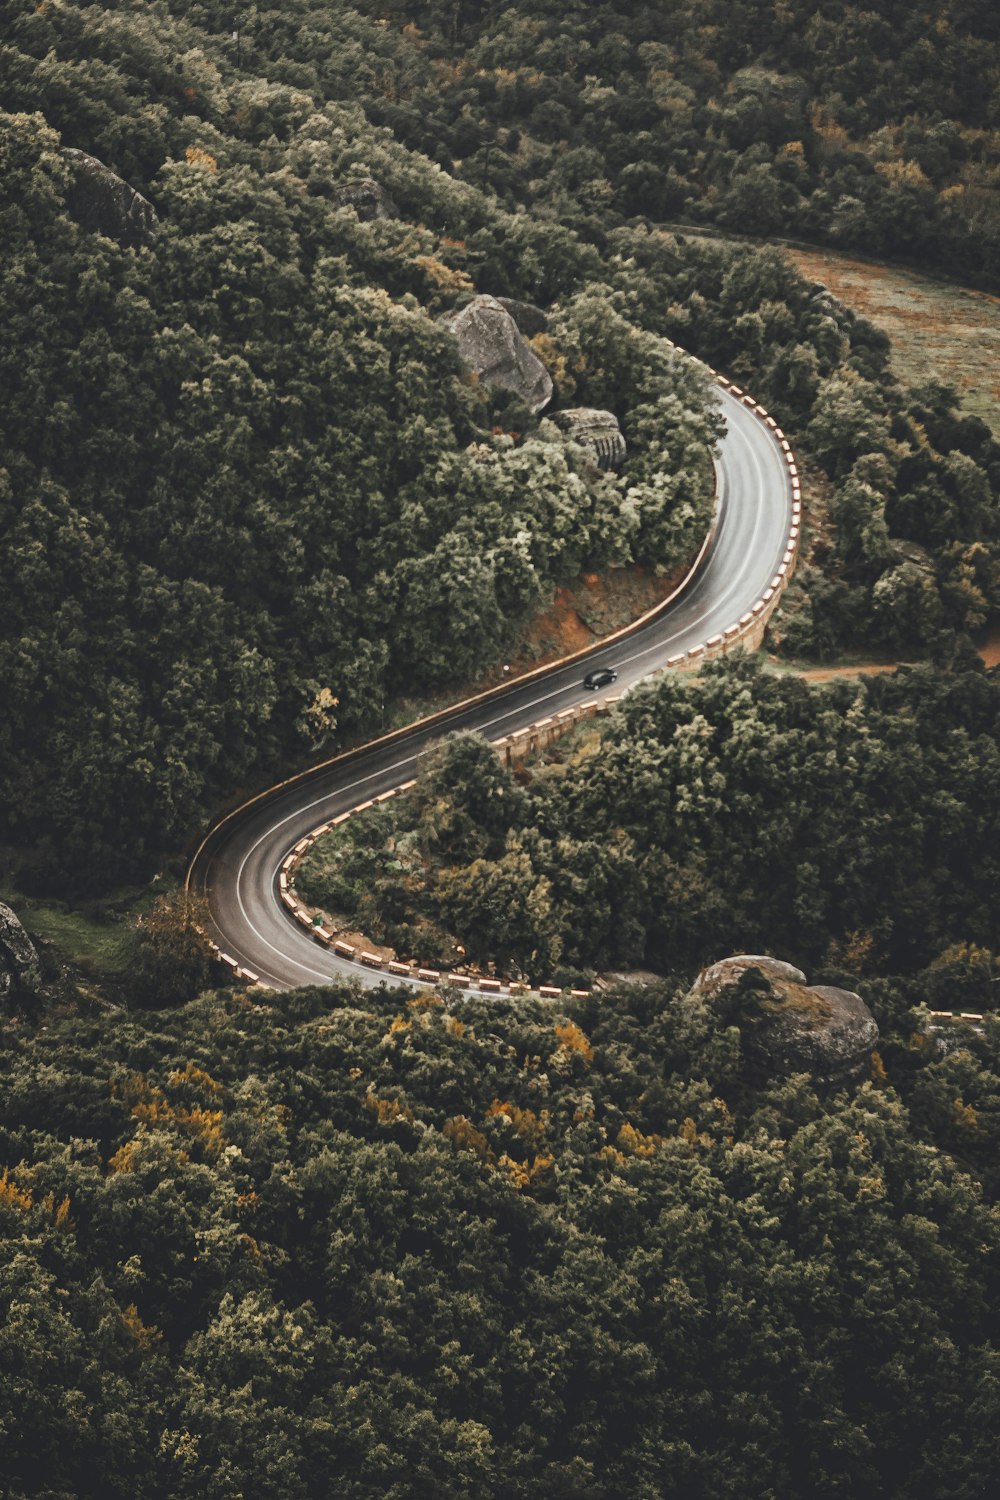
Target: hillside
x,y
262,496
250,492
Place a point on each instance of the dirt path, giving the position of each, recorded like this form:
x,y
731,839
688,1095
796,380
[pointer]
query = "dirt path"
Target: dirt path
x,y
868,669
989,651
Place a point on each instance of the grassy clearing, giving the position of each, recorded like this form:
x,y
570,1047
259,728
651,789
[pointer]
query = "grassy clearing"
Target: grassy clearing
x,y
938,331
100,946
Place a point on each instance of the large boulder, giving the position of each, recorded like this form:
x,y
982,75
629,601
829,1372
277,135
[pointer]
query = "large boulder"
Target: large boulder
x,y
367,197
596,430
20,970
101,200
787,1025
492,345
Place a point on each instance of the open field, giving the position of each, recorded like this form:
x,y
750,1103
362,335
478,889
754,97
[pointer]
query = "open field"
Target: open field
x,y
938,331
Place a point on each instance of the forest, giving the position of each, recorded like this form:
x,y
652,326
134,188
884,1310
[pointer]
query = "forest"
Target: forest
x,y
335,1241
856,125
383,1247
852,824
247,493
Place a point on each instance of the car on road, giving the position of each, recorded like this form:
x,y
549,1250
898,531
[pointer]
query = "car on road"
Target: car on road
x,y
600,677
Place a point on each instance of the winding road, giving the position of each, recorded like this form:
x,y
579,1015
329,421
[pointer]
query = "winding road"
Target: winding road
x,y
238,865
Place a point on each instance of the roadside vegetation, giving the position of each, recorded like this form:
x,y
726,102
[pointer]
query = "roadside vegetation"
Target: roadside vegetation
x,y
847,824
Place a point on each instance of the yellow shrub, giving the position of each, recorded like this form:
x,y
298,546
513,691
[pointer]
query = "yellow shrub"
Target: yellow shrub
x,y
387,1111
572,1039
196,157
442,276
635,1143
463,1134
529,1126
13,1196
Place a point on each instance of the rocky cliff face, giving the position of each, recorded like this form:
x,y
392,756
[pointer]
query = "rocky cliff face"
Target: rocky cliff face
x,y
20,970
788,1026
492,345
367,197
101,200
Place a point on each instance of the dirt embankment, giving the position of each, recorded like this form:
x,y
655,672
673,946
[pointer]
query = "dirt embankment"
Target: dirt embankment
x,y
592,606
990,649
581,614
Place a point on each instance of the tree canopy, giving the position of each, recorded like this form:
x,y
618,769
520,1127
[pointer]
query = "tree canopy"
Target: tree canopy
x,y
384,1247
247,492
381,1245
850,823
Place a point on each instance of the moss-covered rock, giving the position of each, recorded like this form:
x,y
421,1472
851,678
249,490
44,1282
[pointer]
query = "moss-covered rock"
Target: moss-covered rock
x,y
787,1025
368,198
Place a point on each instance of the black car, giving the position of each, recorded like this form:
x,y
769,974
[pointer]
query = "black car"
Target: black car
x,y
600,677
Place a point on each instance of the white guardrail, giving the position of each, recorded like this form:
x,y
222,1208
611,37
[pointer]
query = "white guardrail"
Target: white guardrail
x,y
748,630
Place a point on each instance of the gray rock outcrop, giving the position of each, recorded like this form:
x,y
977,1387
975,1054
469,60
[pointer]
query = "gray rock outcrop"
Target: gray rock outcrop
x,y
788,1026
640,978
368,198
100,200
595,430
905,552
492,345
20,969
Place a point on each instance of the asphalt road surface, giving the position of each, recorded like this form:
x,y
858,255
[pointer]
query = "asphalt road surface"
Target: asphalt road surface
x,y
237,867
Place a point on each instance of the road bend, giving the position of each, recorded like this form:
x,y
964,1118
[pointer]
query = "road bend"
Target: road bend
x,y
238,864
